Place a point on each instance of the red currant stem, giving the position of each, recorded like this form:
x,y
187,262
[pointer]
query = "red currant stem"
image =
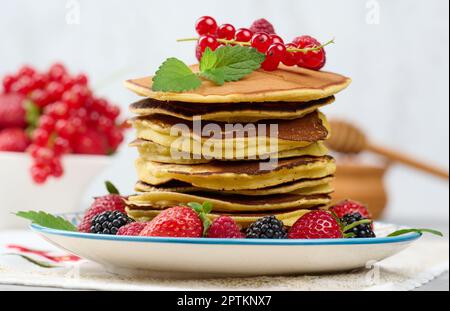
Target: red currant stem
x,y
306,50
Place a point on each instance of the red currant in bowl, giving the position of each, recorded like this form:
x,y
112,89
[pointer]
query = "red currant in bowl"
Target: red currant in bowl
x,y
226,31
206,25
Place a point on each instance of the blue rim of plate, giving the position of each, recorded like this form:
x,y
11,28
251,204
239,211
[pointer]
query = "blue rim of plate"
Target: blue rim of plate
x,y
206,241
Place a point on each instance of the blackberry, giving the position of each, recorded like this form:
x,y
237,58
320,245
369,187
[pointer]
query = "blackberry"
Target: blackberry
x,y
267,228
361,231
109,222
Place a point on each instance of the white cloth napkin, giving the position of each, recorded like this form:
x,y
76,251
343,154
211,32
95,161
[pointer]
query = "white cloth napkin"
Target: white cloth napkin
x,y
414,267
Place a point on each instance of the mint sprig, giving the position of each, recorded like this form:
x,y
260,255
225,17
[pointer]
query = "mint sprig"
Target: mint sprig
x,y
112,189
225,64
421,231
48,221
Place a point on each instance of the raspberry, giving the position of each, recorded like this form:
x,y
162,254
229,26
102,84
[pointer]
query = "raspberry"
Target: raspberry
x,y
262,25
267,228
14,140
350,207
12,111
224,227
178,221
314,60
316,225
109,222
112,202
133,229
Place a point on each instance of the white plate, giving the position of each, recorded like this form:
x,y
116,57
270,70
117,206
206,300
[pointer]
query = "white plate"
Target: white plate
x,y
228,256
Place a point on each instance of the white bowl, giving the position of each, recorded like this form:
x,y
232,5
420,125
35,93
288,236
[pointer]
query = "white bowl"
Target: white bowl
x,y
18,192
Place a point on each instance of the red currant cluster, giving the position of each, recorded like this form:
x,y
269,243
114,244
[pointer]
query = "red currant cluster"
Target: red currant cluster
x,y
69,118
303,51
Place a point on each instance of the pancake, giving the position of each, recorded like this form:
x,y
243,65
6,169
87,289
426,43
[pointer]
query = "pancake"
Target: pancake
x,y
302,186
229,112
233,141
151,151
284,84
229,203
240,175
242,219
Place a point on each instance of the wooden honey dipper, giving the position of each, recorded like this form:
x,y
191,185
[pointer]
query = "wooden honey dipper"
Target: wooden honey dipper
x,y
347,138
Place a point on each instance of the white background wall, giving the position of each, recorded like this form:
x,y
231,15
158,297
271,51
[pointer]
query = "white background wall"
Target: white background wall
x,y
400,66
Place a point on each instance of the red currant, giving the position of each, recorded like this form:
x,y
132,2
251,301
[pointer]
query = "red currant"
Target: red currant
x,y
40,98
39,174
115,138
56,168
47,123
208,42
55,90
261,41
113,112
276,39
58,110
226,31
243,35
65,129
8,82
23,86
274,55
206,25
314,60
81,79
40,80
27,71
57,72
291,58
61,146
41,137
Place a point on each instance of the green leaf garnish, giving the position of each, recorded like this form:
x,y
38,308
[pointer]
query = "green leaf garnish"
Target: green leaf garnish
x,y
234,62
175,76
111,188
48,221
203,210
226,64
421,231
38,263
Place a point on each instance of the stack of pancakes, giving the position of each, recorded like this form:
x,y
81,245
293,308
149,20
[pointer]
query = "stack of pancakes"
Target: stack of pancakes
x,y
280,168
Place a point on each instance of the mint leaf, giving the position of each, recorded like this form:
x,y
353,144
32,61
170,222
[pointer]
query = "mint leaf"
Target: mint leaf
x,y
208,61
406,231
111,188
48,221
232,63
175,76
38,263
